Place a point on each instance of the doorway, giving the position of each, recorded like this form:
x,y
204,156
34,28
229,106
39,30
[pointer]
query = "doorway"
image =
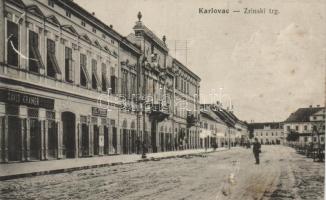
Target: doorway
x,y
96,140
153,136
14,141
85,140
52,139
106,140
68,133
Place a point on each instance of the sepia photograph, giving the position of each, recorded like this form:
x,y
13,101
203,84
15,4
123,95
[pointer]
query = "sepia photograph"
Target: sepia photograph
x,y
162,99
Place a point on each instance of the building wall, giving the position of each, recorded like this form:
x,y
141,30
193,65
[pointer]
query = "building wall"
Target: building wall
x,y
94,130
49,117
269,136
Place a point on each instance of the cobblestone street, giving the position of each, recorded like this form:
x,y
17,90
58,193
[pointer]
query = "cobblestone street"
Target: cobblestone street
x,y
282,174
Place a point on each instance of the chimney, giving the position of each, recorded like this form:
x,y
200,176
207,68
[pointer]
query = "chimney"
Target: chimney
x,y
164,39
310,106
93,13
111,26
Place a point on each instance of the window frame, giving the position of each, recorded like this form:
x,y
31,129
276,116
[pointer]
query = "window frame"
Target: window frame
x,y
83,70
33,48
51,58
14,55
69,64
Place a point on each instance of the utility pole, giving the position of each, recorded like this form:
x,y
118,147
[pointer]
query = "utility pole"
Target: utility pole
x,y
229,138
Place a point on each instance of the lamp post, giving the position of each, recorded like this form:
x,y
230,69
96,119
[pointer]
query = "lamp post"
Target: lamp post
x,y
229,130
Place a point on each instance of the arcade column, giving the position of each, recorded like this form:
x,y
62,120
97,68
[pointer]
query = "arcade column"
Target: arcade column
x,y
2,132
25,134
59,134
44,134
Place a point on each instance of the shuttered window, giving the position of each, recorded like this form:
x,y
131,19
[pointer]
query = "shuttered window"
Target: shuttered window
x,y
35,60
84,77
95,79
68,65
104,78
113,81
12,45
52,64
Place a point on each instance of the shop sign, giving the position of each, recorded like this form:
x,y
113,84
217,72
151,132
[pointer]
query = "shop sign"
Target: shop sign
x,y
26,99
99,112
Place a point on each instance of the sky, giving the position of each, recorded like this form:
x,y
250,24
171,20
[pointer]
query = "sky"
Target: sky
x,y
266,65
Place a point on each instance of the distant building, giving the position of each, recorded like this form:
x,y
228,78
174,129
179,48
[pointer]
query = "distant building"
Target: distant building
x,y
214,131
268,132
229,130
308,122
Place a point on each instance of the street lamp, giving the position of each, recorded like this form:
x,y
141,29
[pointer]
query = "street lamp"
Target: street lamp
x,y
229,130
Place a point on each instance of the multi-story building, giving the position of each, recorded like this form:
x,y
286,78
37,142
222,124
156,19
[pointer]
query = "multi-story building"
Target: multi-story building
x,y
268,132
214,131
309,123
170,92
224,127
72,86
57,63
186,106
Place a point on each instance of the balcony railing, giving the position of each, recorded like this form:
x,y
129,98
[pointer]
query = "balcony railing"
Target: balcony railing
x,y
159,111
191,120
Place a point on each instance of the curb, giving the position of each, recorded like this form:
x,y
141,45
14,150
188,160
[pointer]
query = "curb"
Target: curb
x,y
71,169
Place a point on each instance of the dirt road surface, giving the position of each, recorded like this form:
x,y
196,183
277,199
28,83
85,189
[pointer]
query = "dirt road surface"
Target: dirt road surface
x,y
231,174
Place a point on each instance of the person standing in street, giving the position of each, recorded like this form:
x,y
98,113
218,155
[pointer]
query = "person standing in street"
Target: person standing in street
x,y
256,150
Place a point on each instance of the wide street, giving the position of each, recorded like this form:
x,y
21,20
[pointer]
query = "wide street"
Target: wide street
x,y
231,174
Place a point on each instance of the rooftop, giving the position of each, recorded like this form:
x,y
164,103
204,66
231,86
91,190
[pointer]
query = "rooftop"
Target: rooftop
x,y
303,114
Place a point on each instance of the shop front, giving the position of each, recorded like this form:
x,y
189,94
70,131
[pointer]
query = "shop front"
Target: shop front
x,y
28,127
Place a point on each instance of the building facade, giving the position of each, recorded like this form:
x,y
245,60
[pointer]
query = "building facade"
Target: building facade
x,y
71,86
57,64
309,123
268,133
225,129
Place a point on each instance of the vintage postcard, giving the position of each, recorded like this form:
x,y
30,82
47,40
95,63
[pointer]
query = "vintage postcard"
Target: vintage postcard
x,y
152,99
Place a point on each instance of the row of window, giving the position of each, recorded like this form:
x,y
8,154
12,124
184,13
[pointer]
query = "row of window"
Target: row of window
x,y
322,139
272,134
83,23
128,83
52,69
185,87
305,127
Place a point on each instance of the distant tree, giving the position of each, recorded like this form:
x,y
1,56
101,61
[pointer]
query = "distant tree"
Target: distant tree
x,y
292,136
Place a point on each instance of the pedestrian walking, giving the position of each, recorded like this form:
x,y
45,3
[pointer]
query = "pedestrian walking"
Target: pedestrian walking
x,y
256,150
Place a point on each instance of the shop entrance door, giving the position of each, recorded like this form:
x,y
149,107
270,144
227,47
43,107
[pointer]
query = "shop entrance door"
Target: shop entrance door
x,y
114,140
106,140
153,138
85,140
35,139
96,140
14,141
68,133
52,139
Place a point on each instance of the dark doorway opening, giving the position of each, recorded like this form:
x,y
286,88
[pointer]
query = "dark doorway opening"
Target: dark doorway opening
x,y
133,141
68,127
52,139
85,140
96,140
114,140
35,135
125,141
153,137
14,141
106,140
